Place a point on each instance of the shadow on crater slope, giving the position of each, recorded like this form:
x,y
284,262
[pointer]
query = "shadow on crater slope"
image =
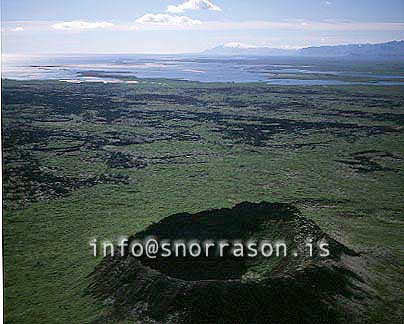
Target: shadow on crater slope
x,y
289,289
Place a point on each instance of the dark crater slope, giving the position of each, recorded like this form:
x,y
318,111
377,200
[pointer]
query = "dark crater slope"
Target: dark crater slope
x,y
291,289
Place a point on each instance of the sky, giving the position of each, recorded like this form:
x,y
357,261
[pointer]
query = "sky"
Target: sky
x,y
188,26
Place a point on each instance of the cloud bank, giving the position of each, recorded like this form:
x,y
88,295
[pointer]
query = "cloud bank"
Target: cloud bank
x,y
194,5
167,20
82,25
17,29
180,22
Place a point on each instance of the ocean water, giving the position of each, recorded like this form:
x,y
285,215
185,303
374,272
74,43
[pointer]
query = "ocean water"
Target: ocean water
x,y
115,68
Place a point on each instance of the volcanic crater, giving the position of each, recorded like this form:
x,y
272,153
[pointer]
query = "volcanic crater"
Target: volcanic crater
x,y
302,288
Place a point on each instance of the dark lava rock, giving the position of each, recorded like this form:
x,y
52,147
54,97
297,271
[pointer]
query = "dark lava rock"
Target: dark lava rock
x,y
287,289
123,160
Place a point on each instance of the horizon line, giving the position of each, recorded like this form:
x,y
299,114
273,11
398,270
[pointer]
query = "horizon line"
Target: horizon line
x,y
3,53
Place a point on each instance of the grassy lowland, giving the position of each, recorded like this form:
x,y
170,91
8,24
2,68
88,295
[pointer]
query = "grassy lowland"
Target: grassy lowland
x,y
105,160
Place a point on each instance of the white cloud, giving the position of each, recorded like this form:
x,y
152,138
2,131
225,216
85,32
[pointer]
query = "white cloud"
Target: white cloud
x,y
81,25
326,3
168,20
17,29
176,22
194,5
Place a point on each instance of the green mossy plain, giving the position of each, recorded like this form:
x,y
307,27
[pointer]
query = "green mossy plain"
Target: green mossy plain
x,y
200,146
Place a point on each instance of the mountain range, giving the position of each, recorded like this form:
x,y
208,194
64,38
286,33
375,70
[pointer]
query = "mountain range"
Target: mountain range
x,y
389,50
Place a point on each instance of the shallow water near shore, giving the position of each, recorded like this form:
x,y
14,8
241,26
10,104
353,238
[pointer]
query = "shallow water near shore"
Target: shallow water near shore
x,y
274,70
